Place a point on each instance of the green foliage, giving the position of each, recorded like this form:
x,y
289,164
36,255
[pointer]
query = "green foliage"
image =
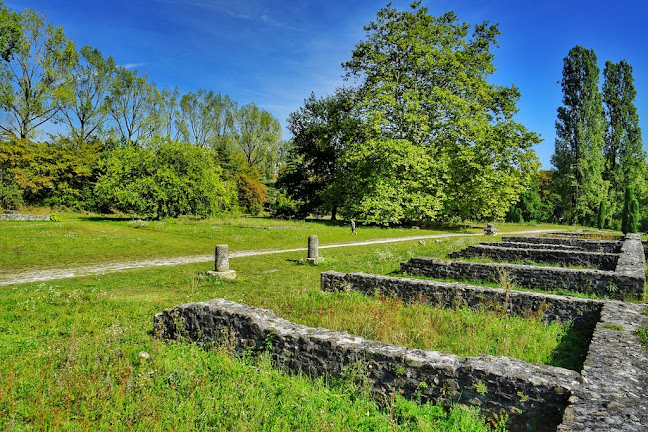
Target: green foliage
x,y
601,215
167,180
514,215
10,194
54,173
579,138
34,77
283,206
207,119
128,102
258,138
251,193
391,181
630,216
423,87
624,154
535,204
642,334
322,130
9,32
87,109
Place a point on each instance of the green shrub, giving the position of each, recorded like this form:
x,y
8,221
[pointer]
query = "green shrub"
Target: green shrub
x,y
514,215
10,195
169,180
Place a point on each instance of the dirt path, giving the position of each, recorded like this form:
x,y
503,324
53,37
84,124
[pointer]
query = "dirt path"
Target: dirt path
x,y
111,267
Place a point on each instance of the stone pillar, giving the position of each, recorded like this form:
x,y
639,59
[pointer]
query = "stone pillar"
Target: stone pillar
x,y
313,244
313,251
222,258
221,263
490,229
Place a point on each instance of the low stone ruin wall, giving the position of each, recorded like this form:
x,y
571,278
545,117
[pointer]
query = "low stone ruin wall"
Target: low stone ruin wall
x,y
598,282
582,244
615,373
602,261
24,217
449,295
631,266
539,393
520,245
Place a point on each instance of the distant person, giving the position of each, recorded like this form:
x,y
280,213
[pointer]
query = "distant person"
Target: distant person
x,y
353,231
561,220
553,219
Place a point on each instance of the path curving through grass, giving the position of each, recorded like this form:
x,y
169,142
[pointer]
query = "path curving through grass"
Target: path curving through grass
x,y
111,267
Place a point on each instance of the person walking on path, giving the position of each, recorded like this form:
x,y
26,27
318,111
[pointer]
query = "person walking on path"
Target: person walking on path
x,y
353,231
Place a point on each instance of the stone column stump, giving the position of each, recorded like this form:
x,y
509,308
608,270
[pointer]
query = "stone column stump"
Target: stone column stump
x,y
313,250
490,229
221,263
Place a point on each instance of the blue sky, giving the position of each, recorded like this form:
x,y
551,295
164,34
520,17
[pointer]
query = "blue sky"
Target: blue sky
x,y
275,53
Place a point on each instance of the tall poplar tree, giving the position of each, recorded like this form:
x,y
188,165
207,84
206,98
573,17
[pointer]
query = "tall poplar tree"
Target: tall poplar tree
x,y
625,159
579,138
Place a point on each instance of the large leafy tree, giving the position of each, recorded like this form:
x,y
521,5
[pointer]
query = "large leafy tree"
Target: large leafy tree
x,y
87,110
322,129
206,118
579,138
258,137
129,102
423,80
34,82
625,159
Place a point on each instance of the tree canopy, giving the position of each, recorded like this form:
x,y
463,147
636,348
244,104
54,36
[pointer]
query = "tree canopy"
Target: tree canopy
x,y
443,137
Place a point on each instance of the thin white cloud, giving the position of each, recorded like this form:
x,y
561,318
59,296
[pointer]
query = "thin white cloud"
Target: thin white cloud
x,y
132,65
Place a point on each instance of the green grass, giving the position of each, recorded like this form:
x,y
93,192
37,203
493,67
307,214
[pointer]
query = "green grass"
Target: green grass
x,y
70,349
77,239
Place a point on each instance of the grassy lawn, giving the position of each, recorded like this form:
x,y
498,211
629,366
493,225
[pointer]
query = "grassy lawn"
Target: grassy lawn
x,y
71,349
76,239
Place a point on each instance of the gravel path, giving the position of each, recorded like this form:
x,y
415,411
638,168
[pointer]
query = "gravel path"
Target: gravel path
x,y
111,267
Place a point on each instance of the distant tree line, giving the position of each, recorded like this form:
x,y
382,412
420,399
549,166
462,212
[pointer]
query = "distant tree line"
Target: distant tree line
x,y
419,135
121,143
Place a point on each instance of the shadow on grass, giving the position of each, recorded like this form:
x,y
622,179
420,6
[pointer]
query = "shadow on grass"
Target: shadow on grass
x,y
104,218
574,345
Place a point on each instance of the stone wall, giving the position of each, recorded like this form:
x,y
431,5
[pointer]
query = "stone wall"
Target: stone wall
x,y
496,384
596,282
449,295
602,261
631,266
24,217
582,244
615,373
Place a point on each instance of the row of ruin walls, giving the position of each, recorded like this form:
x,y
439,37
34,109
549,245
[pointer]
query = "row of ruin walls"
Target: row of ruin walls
x,y
602,261
453,294
534,396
